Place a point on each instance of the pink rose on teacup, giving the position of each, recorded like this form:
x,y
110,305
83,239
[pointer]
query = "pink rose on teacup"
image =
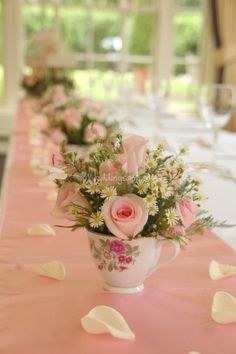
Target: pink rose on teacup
x,y
72,117
135,148
67,195
117,247
187,211
94,131
125,216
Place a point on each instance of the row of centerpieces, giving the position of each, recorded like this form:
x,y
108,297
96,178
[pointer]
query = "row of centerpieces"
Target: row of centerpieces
x,y
65,117
129,196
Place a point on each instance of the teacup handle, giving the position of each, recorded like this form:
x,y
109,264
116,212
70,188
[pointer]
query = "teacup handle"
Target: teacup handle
x,y
176,250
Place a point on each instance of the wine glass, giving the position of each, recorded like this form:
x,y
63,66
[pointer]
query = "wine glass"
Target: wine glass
x,y
157,102
216,106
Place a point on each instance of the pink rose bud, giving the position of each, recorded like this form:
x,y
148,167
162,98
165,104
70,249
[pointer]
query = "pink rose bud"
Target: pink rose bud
x,y
57,136
42,123
135,148
67,195
94,131
73,118
59,96
108,171
187,211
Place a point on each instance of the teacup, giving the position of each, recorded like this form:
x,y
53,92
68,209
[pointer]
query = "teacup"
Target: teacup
x,y
125,264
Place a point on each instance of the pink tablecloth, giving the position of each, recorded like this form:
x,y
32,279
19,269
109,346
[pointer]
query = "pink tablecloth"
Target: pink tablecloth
x,y
41,315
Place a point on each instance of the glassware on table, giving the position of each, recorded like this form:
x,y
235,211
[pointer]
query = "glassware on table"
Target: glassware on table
x,y
216,107
157,101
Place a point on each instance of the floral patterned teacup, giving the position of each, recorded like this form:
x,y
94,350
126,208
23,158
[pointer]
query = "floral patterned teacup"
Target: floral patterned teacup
x,y
124,264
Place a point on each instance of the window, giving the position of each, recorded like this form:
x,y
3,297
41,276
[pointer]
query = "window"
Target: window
x,y
188,21
106,36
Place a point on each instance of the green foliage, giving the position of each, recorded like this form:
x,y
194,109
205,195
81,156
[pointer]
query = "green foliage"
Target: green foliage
x,y
33,19
74,28
37,89
188,32
191,3
106,24
188,29
75,25
141,37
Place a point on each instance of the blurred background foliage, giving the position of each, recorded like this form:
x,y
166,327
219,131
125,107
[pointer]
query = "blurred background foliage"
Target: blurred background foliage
x,y
98,31
106,25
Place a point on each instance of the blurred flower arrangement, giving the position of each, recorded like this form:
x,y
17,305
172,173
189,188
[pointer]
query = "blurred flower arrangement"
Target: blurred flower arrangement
x,y
76,121
34,84
41,80
126,190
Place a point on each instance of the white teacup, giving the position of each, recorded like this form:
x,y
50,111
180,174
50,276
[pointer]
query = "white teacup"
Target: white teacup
x,y
124,264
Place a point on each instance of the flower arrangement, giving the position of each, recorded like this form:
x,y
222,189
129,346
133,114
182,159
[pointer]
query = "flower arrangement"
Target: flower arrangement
x,y
39,82
77,121
127,190
34,84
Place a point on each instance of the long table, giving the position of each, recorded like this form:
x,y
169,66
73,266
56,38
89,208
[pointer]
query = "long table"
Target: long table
x,y
42,315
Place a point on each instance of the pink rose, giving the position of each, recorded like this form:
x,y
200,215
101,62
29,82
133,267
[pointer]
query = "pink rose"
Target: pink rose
x,y
59,97
108,171
187,211
42,123
72,117
125,216
30,80
57,136
95,110
67,195
93,132
135,148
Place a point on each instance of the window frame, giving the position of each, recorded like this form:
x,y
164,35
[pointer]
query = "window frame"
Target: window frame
x,y
160,64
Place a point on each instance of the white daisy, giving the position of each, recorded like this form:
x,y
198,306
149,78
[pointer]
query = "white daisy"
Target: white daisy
x,y
93,186
150,200
155,190
166,191
96,220
201,197
150,163
184,149
83,185
141,185
153,209
181,165
161,182
55,173
108,192
117,144
98,147
151,180
172,217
